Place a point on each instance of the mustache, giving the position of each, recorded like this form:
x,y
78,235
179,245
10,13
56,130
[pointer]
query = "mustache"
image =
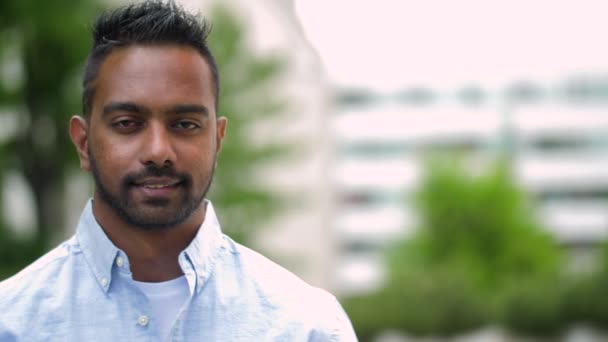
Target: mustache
x,y
154,171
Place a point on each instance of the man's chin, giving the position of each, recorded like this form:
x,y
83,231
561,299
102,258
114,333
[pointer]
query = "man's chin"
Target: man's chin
x,y
154,223
157,203
155,216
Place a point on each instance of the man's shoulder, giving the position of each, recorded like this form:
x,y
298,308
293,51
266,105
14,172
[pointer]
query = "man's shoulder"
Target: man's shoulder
x,y
293,299
37,275
268,276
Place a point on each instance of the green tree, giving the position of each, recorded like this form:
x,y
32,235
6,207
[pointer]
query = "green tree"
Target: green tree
x,y
42,46
484,224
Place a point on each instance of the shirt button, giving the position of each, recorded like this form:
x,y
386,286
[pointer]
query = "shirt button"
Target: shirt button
x,y
104,282
143,320
120,261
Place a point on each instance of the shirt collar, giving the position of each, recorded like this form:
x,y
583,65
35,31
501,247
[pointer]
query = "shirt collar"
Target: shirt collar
x,y
100,253
206,246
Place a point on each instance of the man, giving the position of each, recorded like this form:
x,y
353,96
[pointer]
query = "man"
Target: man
x,y
148,261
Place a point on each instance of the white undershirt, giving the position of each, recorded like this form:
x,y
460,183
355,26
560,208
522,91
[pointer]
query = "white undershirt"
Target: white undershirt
x,y
166,299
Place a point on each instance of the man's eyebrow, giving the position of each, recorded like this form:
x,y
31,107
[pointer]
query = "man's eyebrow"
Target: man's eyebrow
x,y
124,107
189,108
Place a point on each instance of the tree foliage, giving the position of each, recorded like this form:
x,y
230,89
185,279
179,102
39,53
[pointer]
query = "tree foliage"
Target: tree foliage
x,y
482,224
42,46
587,294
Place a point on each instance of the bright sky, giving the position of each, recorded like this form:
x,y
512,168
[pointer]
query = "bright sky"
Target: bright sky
x,y
395,43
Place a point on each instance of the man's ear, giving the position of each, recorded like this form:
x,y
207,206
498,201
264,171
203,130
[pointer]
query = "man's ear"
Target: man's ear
x,y
80,138
222,121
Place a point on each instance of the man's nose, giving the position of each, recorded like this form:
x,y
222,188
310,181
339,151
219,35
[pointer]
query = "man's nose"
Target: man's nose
x,y
157,146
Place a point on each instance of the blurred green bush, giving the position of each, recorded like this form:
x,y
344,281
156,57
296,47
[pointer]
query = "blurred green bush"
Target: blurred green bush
x,y
533,307
586,295
15,252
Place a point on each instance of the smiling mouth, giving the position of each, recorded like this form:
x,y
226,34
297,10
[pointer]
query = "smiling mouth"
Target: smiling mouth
x,y
157,186
158,183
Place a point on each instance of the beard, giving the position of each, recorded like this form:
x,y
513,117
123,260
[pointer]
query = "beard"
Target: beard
x,y
153,214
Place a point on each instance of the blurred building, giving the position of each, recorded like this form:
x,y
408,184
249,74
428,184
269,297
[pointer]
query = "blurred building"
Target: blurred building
x,y
414,78
555,134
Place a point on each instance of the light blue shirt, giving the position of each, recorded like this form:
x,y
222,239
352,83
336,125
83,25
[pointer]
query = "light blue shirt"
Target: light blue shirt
x,y
83,291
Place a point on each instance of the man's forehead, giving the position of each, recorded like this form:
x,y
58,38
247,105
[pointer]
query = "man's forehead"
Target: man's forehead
x,y
145,58
155,73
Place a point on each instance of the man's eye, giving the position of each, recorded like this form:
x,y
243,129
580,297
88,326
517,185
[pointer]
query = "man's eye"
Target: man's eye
x,y
126,124
185,125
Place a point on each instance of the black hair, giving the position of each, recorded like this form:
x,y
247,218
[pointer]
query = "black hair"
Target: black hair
x,y
148,23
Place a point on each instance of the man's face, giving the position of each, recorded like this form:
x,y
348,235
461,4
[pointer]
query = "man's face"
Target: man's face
x,y
153,136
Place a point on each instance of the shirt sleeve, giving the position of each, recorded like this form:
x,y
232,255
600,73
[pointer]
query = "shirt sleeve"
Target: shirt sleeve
x,y
336,326
344,329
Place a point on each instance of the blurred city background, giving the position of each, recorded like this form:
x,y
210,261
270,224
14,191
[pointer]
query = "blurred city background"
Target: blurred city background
x,y
442,167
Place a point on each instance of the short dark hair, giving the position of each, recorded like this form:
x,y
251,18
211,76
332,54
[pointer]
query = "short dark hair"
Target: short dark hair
x,y
148,23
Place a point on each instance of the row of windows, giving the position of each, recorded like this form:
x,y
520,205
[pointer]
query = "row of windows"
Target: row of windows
x,y
379,198
577,89
548,143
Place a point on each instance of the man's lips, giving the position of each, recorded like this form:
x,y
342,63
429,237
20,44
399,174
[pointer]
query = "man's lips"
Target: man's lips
x,y
157,182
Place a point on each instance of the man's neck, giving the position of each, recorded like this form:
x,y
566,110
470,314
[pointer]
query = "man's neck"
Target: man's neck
x,y
153,255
